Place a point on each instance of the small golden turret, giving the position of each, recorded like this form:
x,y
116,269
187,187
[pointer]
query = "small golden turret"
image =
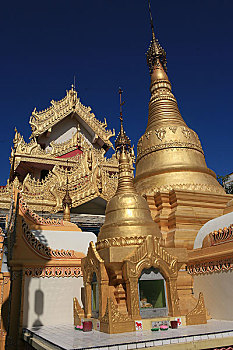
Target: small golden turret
x,y
67,203
169,154
128,215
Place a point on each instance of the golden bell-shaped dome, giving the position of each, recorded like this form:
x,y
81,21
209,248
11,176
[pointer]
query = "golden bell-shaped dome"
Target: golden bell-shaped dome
x,y
127,214
169,154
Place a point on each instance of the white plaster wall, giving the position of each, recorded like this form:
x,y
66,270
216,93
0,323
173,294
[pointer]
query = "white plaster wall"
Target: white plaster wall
x,y
49,301
217,290
64,130
68,240
212,225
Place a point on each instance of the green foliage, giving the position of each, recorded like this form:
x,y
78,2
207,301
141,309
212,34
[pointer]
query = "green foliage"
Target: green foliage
x,y
223,180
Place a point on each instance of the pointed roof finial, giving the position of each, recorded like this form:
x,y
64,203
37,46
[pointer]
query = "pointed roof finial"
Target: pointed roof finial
x,y
67,201
151,20
155,51
122,140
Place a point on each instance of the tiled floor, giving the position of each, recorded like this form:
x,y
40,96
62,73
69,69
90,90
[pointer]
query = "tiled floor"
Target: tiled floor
x,y
67,338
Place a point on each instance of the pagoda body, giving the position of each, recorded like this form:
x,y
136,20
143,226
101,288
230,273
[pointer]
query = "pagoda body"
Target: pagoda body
x,y
171,171
67,140
128,254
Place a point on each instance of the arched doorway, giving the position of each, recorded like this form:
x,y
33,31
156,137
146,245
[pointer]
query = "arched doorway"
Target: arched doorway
x,y
152,294
94,297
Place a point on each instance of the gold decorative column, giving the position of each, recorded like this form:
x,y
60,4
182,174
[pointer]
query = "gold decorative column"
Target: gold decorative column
x,y
67,203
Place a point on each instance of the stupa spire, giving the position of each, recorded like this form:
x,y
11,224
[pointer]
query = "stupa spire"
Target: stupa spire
x,y
127,213
124,152
155,52
169,154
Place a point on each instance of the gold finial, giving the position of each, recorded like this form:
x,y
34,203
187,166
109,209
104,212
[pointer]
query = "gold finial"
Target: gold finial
x,y
67,201
155,52
122,141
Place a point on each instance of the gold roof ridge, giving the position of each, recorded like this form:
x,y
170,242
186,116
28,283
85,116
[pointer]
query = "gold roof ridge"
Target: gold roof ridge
x,y
43,120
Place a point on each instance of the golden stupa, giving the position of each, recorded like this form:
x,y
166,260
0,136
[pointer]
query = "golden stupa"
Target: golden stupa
x,y
127,213
169,154
130,246
128,219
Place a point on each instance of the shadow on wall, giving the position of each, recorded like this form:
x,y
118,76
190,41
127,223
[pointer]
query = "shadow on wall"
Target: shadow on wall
x,y
15,314
38,307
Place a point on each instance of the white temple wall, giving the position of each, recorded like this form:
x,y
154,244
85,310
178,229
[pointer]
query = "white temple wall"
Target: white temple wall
x,y
63,131
217,291
49,300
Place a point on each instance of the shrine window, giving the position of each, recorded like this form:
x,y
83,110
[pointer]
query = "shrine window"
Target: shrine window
x,y
94,297
152,294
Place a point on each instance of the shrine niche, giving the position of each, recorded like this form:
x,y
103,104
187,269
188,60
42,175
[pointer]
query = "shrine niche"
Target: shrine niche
x,y
151,255
95,270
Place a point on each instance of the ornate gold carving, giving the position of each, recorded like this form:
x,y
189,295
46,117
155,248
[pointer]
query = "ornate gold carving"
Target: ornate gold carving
x,y
160,133
90,175
54,150
37,219
173,129
150,253
119,242
44,251
184,186
91,264
210,266
115,322
169,145
222,235
112,314
53,271
198,314
44,120
186,132
78,312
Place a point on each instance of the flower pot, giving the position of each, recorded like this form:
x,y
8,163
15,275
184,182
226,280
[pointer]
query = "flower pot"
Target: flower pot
x,y
174,324
87,326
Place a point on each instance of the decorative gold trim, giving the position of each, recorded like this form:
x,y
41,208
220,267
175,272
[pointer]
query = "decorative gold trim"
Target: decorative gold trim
x,y
210,266
42,250
78,312
222,235
54,150
90,175
115,322
119,242
151,254
53,271
184,186
168,145
198,314
46,119
37,219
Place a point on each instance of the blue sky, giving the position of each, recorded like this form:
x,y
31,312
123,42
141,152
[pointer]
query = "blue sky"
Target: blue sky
x,y
103,43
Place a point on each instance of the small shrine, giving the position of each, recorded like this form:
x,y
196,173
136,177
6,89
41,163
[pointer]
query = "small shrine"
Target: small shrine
x,y
129,275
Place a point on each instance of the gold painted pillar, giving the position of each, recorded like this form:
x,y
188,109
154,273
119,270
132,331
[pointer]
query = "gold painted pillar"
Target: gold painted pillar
x,y
88,301
133,298
14,341
172,297
103,296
